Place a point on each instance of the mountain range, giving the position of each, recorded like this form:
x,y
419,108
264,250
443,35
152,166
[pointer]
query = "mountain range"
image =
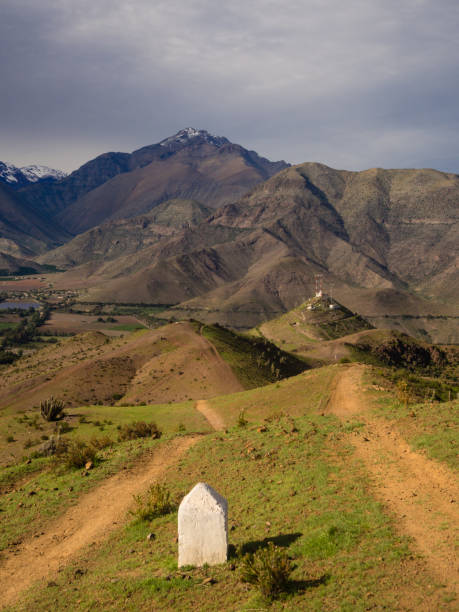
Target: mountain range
x,y
20,177
222,234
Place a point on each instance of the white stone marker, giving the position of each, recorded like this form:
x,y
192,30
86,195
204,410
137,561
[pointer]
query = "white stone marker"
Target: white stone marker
x,y
202,527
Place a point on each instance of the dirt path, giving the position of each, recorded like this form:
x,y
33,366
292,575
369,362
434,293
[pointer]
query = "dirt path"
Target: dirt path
x,y
221,367
423,494
95,515
214,419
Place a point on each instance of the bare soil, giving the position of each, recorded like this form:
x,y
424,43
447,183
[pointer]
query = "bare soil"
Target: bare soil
x,y
422,494
192,370
171,364
96,514
22,285
213,417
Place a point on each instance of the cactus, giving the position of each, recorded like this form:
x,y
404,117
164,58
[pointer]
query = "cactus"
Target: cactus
x,y
51,409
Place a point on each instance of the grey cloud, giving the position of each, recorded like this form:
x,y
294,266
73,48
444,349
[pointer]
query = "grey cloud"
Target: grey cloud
x,y
354,84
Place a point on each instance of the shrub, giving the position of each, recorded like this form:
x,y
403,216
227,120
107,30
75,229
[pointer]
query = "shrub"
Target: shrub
x,y
403,392
269,569
102,442
53,446
65,427
52,409
139,429
241,420
155,502
76,453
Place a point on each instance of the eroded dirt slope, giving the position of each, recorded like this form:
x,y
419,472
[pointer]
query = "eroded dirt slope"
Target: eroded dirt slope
x,y
172,363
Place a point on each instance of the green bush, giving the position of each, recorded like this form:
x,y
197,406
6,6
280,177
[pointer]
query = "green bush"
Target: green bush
x,y
52,409
155,502
76,453
139,429
102,442
65,427
269,569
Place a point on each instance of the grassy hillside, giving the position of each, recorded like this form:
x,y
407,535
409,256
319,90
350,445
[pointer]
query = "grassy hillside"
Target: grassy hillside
x,y
256,362
291,478
174,363
318,318
419,406
305,456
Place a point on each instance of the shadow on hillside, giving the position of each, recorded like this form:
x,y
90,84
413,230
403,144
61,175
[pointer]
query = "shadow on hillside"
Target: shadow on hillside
x,y
283,539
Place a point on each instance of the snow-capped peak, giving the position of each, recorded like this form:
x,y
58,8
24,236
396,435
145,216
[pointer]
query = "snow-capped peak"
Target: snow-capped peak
x,y
35,173
189,133
8,172
17,177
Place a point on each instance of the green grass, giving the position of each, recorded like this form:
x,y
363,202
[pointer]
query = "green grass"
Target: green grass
x,y
54,489
167,416
295,484
429,426
254,361
129,327
290,477
100,420
333,329
295,396
7,325
40,476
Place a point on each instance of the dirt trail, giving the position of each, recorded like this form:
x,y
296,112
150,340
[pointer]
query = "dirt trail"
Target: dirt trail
x,y
214,419
423,494
225,373
220,366
95,515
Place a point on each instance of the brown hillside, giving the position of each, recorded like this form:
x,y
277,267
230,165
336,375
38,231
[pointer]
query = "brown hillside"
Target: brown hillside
x,y
24,232
212,171
115,239
170,364
386,239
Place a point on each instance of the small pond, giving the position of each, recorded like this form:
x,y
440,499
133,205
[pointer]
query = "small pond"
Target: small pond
x,y
21,305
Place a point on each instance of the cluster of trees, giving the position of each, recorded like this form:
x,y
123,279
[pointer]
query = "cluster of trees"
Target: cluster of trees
x,y
24,332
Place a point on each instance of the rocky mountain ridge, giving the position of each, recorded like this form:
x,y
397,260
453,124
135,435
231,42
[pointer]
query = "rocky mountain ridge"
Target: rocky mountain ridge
x,y
20,177
385,239
192,164
217,231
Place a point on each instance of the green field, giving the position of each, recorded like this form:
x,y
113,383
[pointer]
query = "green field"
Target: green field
x,y
289,468
432,427
294,483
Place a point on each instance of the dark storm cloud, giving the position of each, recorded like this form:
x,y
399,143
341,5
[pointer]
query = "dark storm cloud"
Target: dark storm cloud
x,y
353,84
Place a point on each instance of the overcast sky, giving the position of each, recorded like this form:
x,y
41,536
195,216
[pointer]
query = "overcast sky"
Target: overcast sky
x,y
353,84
